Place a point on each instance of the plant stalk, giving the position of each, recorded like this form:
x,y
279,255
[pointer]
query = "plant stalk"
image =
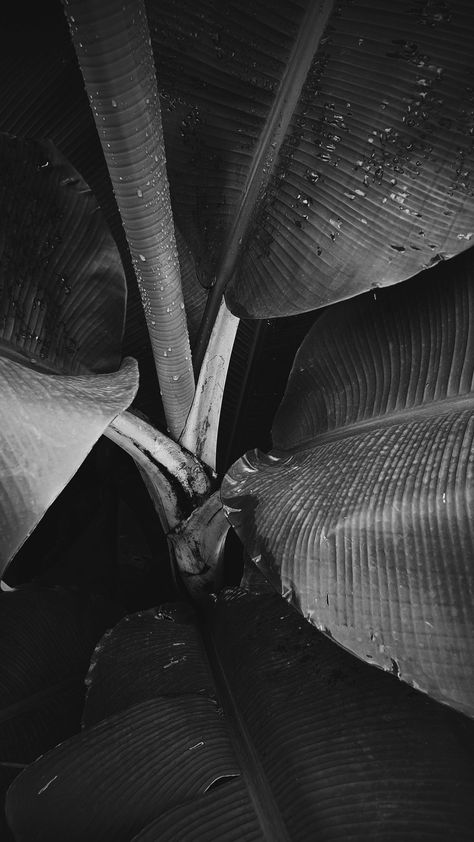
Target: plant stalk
x,y
113,46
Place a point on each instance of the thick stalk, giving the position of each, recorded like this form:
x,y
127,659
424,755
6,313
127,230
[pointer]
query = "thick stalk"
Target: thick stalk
x,y
198,547
152,449
202,426
113,46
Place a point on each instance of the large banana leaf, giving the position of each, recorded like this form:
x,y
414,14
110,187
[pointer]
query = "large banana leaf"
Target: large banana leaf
x,y
48,425
316,152
362,513
46,639
335,145
62,306
63,290
303,741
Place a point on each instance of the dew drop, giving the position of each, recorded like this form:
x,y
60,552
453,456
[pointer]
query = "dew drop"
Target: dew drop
x,y
175,377
312,175
142,257
139,193
114,103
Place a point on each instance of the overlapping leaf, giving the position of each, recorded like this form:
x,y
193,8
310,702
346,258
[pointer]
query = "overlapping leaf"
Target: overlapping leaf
x,y
46,640
317,153
171,662
371,171
63,289
363,512
48,426
62,306
325,743
349,752
158,745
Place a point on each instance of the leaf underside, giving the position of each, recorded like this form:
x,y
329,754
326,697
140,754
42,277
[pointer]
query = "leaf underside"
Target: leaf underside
x,y
362,513
343,748
62,287
48,424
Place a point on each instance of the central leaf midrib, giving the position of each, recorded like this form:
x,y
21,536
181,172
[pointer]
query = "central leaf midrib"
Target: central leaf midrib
x,y
265,156
265,805
436,408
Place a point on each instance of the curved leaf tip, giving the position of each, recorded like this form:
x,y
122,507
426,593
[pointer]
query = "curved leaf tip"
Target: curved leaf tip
x,y
62,285
362,515
48,424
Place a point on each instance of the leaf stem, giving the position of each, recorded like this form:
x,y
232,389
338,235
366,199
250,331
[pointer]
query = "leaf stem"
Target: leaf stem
x,y
202,426
113,46
151,448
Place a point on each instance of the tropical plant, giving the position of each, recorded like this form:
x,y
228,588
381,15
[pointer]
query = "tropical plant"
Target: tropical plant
x,y
315,154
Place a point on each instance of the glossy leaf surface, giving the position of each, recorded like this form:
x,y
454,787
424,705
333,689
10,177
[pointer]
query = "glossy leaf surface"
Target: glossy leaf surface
x,y
362,512
48,425
316,152
62,308
62,286
383,183
349,752
372,182
159,739
333,745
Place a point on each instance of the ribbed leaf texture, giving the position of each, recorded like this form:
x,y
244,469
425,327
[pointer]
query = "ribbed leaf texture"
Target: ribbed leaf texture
x,y
350,753
316,153
48,425
362,513
366,181
345,751
171,662
372,181
62,308
223,815
46,639
62,286
42,95
158,745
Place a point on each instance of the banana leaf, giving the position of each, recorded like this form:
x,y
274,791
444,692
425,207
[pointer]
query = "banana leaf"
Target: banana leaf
x,y
317,149
335,143
362,512
62,306
261,729
46,639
